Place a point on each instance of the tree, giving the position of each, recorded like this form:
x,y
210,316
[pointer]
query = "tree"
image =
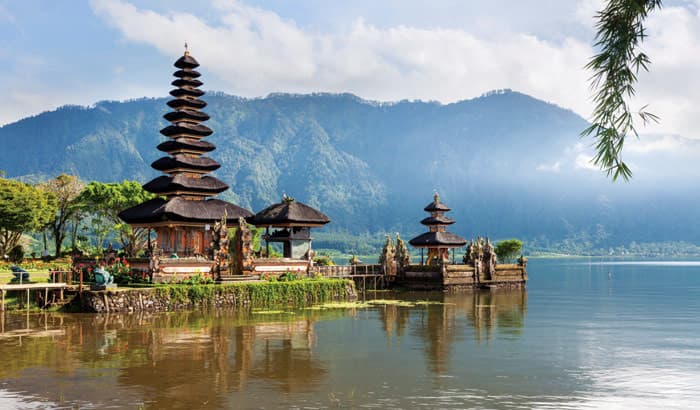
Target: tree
x,y
23,208
507,250
107,200
620,30
66,189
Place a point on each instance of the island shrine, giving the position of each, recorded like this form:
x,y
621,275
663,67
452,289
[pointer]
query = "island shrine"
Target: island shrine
x,y
190,223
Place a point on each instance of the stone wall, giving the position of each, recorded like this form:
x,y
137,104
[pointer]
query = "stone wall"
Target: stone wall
x,y
176,297
459,276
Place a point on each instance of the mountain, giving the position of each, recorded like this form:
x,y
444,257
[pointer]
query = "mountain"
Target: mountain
x,y
507,163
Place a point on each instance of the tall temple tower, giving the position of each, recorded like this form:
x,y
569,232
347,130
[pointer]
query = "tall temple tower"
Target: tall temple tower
x,y
185,210
437,240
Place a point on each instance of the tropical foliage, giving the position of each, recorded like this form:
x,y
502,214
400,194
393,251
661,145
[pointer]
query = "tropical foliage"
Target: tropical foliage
x,y
371,168
615,68
23,209
124,274
66,189
259,294
104,201
509,249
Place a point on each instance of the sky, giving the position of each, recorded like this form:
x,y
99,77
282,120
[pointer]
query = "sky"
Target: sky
x,y
80,52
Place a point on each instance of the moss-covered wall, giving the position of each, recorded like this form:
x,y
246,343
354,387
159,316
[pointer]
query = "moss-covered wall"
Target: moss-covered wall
x,y
259,294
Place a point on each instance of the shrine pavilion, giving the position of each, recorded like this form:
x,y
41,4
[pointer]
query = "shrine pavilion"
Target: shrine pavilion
x,y
292,222
437,240
186,208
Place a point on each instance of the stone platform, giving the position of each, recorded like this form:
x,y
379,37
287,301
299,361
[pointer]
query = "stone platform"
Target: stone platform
x,y
458,277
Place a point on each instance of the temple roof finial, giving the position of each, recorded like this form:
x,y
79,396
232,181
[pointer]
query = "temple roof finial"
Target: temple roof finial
x,y
436,197
286,199
187,51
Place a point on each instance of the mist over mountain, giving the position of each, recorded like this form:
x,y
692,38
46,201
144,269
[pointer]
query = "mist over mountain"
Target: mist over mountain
x,y
508,164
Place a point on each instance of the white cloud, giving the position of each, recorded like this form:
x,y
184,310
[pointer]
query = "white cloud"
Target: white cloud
x,y
650,144
584,161
555,167
251,51
586,11
672,86
256,52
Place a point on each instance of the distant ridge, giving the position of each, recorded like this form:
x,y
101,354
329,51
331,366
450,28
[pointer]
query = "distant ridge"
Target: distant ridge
x,y
510,165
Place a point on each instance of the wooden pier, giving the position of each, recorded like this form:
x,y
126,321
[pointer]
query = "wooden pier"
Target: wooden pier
x,y
28,287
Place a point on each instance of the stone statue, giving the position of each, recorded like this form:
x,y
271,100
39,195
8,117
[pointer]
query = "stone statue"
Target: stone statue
x,y
387,258
522,261
490,258
243,249
102,277
470,254
219,248
403,257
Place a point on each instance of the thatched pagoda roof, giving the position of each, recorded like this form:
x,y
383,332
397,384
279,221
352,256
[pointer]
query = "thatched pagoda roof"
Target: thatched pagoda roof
x,y
186,144
186,92
183,82
166,164
182,210
184,128
436,206
437,220
187,103
289,213
186,61
186,115
438,240
166,184
187,74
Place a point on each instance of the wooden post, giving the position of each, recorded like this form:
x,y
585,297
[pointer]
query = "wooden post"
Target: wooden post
x,y
27,300
80,288
3,301
46,296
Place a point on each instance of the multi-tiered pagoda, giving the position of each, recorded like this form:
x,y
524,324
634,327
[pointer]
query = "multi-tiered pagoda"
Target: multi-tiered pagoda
x,y
186,209
437,240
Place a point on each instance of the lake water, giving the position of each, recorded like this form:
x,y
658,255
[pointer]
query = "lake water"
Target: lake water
x,y
583,335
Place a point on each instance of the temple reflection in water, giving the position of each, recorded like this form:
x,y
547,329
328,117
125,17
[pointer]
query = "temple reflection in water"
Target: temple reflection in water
x,y
439,328
203,360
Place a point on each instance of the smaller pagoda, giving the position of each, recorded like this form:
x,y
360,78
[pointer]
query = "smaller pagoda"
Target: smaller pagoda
x,y
437,240
292,222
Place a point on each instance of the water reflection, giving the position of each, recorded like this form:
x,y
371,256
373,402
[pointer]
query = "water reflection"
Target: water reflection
x,y
439,327
576,340
200,359
172,360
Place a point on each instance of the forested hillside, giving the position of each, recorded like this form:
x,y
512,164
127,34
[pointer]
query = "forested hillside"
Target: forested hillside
x,y
508,164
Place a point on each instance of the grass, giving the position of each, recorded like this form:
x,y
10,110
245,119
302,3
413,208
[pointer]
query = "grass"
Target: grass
x,y
34,276
258,294
12,302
